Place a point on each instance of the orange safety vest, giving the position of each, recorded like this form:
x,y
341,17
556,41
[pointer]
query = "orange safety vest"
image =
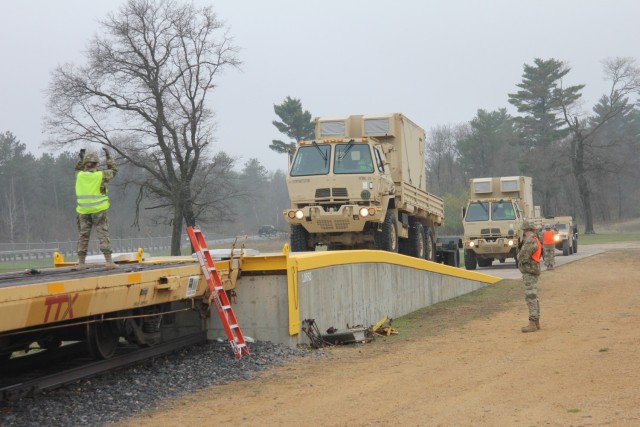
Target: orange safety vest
x,y
538,252
547,237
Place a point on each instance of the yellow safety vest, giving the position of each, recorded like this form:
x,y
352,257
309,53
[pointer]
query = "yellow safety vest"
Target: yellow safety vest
x,y
90,200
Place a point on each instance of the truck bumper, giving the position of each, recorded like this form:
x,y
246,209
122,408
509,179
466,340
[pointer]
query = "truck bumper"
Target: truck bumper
x,y
348,218
502,247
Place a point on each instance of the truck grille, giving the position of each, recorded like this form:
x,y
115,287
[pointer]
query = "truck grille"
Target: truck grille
x,y
339,192
333,225
324,193
490,231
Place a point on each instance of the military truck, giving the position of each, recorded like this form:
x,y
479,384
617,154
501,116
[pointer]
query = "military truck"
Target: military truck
x,y
493,217
361,184
567,237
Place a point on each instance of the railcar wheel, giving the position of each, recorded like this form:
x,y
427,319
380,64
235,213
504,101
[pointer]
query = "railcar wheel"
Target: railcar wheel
x,y
102,339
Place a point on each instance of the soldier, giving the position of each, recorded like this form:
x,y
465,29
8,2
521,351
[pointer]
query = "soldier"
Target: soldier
x,y
529,264
549,246
93,203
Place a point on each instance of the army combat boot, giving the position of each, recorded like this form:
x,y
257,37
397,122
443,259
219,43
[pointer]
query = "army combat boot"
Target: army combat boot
x,y
109,264
81,262
537,324
531,327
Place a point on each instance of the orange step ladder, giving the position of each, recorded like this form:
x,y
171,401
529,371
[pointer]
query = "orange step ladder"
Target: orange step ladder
x,y
218,294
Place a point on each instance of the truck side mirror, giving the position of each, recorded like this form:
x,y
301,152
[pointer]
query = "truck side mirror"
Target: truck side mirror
x,y
463,210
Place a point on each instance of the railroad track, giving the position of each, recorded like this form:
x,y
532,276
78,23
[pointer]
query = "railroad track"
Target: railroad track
x,y
31,382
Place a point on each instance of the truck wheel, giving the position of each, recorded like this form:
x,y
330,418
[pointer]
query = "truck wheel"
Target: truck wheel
x,y
417,244
299,238
470,261
430,238
386,238
565,248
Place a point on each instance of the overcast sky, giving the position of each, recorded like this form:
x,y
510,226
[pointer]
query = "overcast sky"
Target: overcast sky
x,y
437,62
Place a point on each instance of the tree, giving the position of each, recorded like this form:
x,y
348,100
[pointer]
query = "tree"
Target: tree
x,y
442,161
541,127
144,94
624,76
489,149
296,124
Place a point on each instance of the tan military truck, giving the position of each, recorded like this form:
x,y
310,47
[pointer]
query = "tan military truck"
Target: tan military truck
x,y
567,237
493,217
361,184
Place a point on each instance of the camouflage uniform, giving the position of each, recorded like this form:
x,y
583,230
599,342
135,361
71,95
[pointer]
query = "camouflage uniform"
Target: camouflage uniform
x,y
549,253
530,270
98,219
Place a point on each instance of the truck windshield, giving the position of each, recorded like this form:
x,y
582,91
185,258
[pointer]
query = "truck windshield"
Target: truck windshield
x,y
561,227
477,211
311,160
352,158
502,211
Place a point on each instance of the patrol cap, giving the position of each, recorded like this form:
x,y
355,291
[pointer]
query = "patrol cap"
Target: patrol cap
x,y
528,225
547,226
91,157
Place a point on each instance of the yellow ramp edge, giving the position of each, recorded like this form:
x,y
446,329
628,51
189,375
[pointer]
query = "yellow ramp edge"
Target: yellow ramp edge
x,y
313,260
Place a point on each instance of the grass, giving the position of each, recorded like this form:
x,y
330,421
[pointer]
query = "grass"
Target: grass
x,y
456,312
591,239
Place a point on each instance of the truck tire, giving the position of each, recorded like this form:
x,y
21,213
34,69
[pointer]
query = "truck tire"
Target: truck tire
x,y
417,241
430,239
565,248
298,238
470,262
386,238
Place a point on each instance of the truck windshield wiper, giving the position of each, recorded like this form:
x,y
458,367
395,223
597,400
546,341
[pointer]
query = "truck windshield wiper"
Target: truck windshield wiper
x,y
346,150
324,156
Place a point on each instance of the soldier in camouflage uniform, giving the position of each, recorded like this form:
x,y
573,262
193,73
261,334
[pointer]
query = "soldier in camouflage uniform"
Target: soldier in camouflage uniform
x,y
93,203
549,246
529,265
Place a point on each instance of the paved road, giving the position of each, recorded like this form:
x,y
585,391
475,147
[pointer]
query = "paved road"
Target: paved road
x,y
508,270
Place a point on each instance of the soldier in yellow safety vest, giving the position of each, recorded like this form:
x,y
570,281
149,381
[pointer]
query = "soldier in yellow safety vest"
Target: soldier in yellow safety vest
x,y
93,203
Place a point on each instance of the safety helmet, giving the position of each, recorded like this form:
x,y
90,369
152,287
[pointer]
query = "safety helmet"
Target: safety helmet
x,y
91,157
528,225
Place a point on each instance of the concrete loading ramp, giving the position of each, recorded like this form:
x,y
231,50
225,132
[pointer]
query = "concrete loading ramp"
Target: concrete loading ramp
x,y
276,292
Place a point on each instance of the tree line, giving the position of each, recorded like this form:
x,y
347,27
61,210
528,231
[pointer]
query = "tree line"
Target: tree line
x,y
584,160
37,198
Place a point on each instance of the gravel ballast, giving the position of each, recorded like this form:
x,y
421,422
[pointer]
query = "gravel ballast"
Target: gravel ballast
x,y
118,395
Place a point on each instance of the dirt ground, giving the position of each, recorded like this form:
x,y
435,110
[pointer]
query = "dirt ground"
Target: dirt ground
x,y
463,362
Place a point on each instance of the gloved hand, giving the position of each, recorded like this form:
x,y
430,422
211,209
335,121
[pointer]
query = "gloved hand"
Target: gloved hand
x,y
106,153
82,151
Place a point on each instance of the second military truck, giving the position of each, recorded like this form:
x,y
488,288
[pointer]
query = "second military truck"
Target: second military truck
x,y
493,218
361,184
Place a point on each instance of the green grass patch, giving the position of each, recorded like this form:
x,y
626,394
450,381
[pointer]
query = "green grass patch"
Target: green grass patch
x,y
573,410
603,350
457,312
590,239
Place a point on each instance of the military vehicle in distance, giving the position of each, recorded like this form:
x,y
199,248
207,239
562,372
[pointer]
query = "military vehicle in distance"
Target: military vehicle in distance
x,y
567,237
493,217
361,184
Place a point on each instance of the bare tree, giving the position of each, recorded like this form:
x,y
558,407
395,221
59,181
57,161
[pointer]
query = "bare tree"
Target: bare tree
x,y
625,81
144,94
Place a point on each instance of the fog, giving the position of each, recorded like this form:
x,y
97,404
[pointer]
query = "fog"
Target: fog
x,y
437,62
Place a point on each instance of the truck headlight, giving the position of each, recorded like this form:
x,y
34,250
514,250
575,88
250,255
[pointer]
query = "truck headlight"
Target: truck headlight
x,y
556,238
291,214
364,212
472,243
299,214
510,242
